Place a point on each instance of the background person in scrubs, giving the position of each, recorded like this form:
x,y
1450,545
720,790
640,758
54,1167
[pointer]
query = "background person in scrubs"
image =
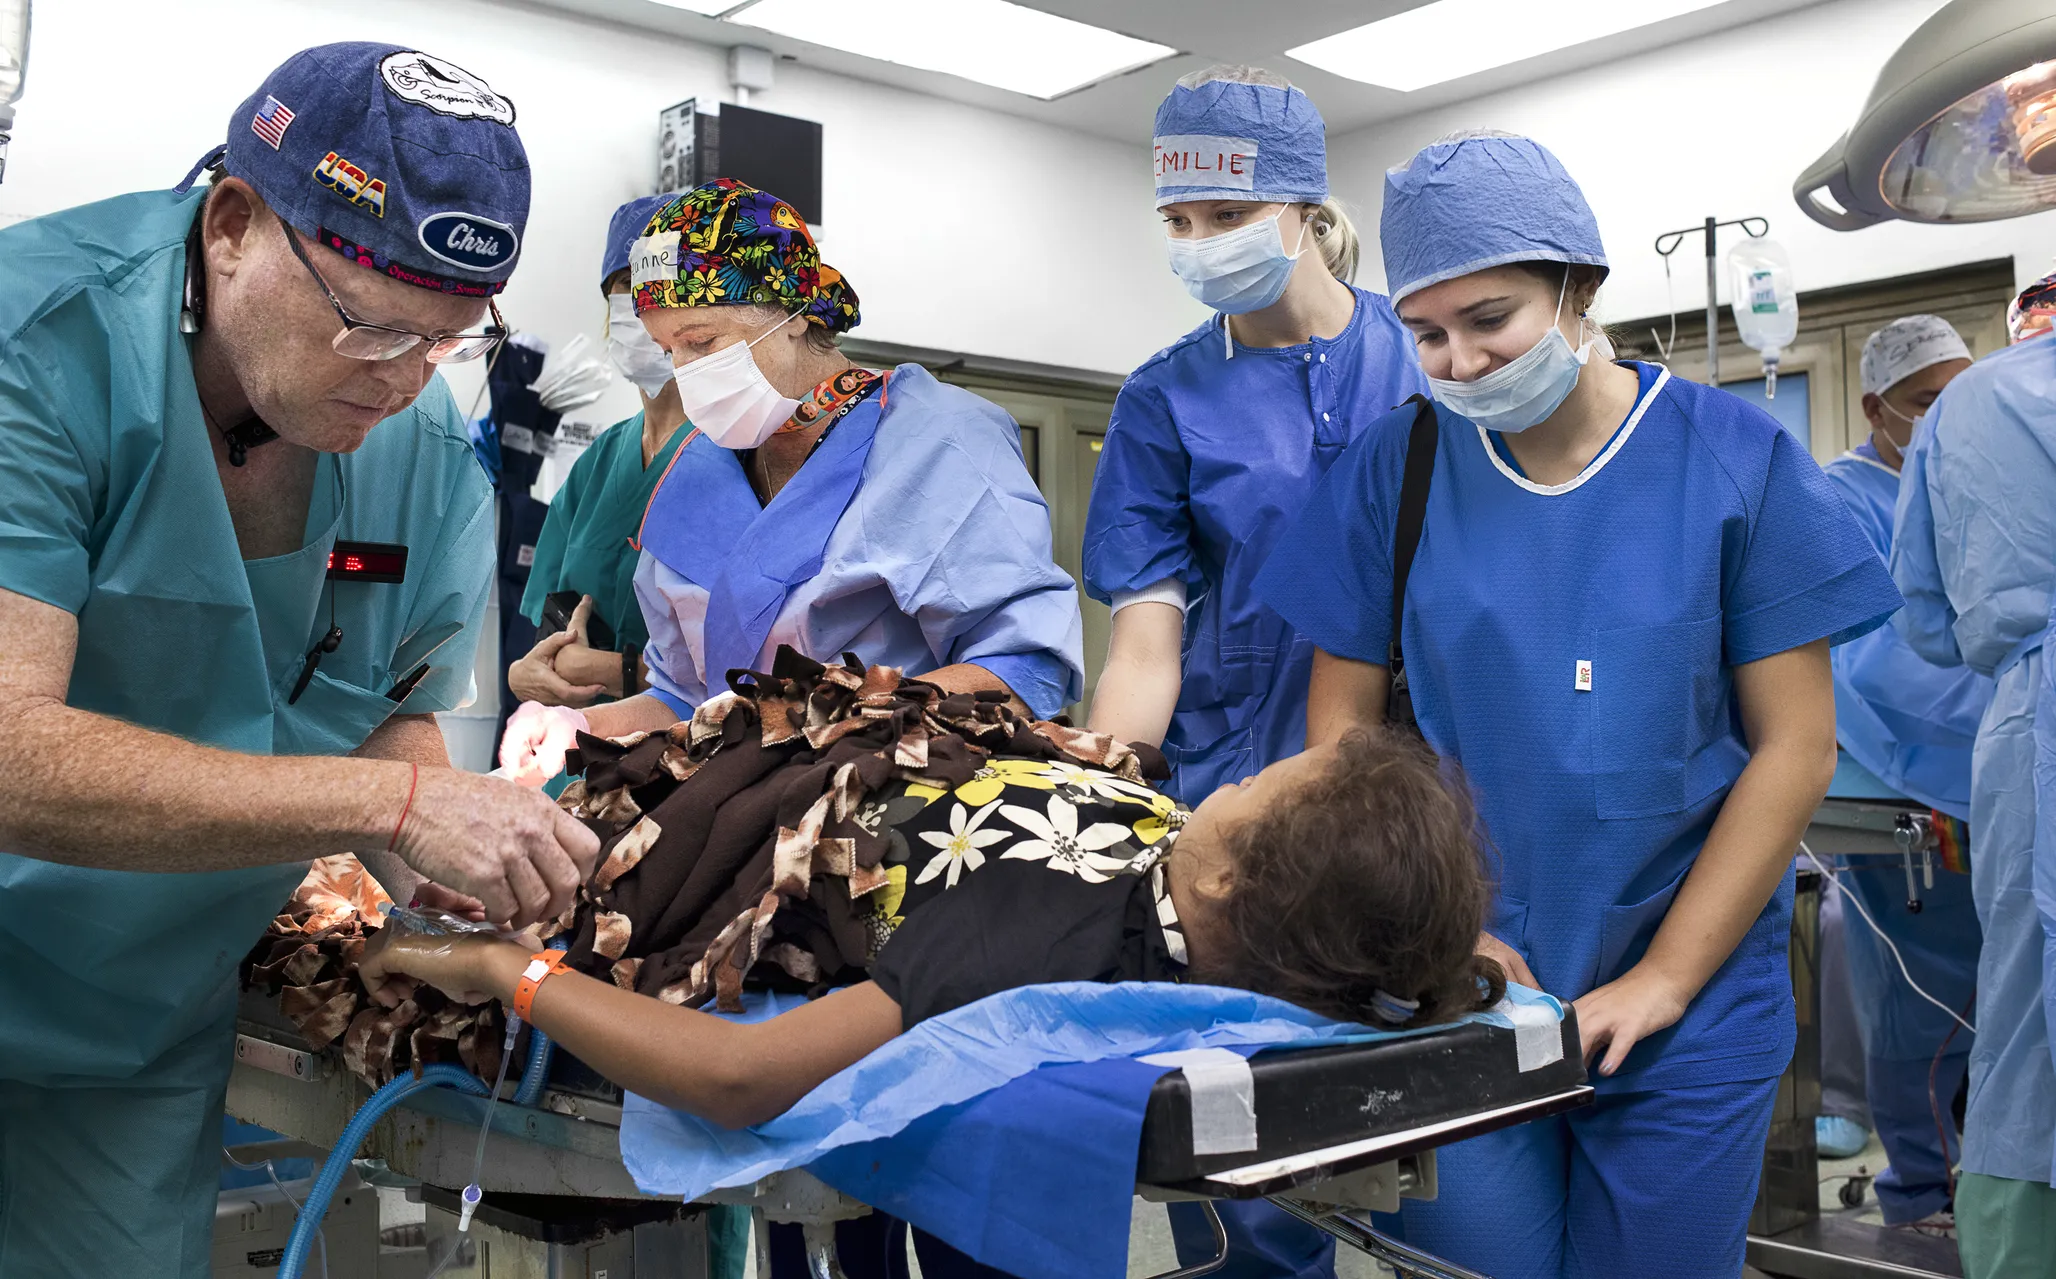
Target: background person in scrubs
x,y
159,600
585,544
1974,549
1218,438
1911,725
1214,444
816,504
1618,624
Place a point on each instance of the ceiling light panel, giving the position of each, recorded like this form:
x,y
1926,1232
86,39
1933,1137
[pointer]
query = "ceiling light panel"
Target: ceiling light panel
x,y
992,42
1450,39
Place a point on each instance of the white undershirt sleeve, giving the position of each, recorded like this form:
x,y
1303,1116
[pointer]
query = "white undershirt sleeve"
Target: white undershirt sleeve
x,y
1169,591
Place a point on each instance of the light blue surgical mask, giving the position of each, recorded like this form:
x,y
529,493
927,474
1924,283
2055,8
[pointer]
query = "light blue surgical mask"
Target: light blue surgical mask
x,y
1526,391
1237,271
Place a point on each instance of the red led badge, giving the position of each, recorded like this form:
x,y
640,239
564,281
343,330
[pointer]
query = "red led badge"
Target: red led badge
x,y
367,562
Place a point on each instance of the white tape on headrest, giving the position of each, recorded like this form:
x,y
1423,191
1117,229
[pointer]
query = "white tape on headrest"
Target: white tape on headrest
x,y
1537,1033
1223,1098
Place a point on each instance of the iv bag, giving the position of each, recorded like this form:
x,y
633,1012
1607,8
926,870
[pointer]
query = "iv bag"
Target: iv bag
x,y
1764,302
14,67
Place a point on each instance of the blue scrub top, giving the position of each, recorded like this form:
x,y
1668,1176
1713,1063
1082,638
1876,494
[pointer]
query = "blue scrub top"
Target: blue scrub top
x,y
1206,461
1702,538
588,539
1910,723
111,509
912,537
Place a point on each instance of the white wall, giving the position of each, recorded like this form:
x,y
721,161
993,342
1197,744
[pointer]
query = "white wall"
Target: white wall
x,y
1720,126
960,228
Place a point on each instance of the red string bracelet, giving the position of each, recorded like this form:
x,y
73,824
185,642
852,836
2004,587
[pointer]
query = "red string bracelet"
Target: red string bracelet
x,y
405,808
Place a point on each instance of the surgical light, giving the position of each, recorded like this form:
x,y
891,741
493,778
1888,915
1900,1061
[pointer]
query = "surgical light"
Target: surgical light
x,y
1960,126
1008,46
1450,39
705,8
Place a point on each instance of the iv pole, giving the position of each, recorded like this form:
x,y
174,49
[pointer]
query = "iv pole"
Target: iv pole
x,y
1756,228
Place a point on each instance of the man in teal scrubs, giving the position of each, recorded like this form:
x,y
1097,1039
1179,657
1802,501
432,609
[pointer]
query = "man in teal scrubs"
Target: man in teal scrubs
x,y
244,552
586,543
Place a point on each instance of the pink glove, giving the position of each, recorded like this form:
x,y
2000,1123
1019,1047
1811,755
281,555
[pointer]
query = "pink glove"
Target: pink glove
x,y
532,752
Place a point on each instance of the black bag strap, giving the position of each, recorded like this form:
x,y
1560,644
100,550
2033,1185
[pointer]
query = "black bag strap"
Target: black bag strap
x,y
1406,539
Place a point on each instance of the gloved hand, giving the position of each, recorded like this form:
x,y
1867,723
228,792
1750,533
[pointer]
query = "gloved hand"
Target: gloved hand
x,y
532,751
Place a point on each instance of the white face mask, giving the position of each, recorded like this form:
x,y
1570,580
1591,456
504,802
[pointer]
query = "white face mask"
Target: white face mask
x,y
1237,271
727,398
1523,393
634,352
1912,426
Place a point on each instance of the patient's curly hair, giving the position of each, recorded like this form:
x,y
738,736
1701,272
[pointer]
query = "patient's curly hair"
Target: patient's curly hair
x,y
1370,877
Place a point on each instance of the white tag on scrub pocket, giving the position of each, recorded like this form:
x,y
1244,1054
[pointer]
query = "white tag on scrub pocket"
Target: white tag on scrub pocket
x,y
1584,680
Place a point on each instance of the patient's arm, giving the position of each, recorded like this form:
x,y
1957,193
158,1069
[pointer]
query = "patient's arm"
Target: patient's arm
x,y
735,1075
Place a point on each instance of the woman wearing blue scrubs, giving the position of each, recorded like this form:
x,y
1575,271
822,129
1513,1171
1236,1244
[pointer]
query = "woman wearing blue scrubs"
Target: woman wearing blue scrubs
x,y
1218,439
1215,443
1618,623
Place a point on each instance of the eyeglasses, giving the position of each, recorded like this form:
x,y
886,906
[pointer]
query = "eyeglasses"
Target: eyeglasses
x,y
362,340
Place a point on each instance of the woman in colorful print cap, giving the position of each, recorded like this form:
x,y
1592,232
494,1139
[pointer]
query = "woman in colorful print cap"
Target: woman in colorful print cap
x,y
814,503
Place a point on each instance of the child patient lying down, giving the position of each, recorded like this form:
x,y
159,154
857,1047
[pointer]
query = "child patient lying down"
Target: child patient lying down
x,y
945,851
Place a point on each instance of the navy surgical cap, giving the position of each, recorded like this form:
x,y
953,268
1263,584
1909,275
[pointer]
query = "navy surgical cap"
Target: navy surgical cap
x,y
400,161
1234,133
1475,201
625,228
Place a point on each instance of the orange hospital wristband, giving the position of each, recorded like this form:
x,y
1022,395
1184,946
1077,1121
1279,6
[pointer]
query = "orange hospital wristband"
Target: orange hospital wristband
x,y
541,965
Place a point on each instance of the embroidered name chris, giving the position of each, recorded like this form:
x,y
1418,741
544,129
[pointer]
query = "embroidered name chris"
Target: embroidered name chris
x,y
464,238
467,240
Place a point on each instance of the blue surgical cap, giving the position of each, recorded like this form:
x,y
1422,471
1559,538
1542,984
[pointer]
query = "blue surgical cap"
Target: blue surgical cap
x,y
627,224
1229,138
1476,201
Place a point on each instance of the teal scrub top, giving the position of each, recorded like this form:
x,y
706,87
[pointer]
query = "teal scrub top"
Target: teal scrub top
x,y
111,509
584,545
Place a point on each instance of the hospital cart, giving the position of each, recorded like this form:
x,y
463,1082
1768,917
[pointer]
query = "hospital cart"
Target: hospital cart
x,y
1856,824
1342,1130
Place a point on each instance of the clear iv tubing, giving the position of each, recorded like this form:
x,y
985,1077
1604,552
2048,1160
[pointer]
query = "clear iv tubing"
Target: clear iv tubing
x,y
316,1205
472,1194
1851,899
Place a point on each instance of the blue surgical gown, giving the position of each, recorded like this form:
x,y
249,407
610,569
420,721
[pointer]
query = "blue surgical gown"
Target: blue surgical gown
x,y
1908,721
1702,538
1206,461
1911,725
1974,549
913,537
117,989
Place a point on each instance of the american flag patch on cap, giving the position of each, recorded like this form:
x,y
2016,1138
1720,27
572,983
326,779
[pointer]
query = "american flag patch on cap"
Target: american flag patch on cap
x,y
271,120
